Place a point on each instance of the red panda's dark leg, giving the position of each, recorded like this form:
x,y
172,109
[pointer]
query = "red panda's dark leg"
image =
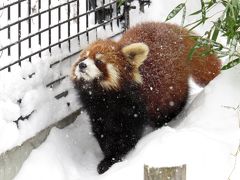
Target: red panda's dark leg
x,y
116,144
106,163
116,147
117,123
117,120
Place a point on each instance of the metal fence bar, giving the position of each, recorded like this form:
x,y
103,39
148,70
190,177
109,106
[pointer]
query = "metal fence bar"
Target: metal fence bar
x,y
78,20
9,28
49,25
19,32
59,26
11,4
69,27
39,33
39,26
143,3
62,41
87,9
46,29
34,15
77,52
104,14
67,57
29,26
111,17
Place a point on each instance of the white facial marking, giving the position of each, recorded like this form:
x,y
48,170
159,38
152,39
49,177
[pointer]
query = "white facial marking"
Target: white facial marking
x,y
89,73
98,56
87,53
113,81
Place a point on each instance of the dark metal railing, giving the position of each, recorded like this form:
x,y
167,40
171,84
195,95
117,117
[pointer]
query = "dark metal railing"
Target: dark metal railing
x,y
91,7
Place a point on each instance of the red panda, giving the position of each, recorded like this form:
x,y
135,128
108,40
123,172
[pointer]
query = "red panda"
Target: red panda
x,y
140,80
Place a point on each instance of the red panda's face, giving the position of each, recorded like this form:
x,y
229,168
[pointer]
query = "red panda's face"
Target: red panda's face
x,y
106,63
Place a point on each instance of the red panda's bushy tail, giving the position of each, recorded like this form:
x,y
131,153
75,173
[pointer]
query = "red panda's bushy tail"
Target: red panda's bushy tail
x,y
204,69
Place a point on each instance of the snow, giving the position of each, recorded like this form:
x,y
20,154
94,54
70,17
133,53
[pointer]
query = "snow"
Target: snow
x,y
36,100
205,136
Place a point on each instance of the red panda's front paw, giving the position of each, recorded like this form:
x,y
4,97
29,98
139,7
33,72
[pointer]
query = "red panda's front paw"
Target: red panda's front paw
x,y
106,163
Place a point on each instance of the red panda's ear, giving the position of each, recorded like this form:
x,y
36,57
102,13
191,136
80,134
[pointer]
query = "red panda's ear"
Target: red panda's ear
x,y
136,53
84,52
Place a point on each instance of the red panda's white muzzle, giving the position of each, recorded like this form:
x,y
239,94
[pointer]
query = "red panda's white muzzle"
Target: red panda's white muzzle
x,y
87,70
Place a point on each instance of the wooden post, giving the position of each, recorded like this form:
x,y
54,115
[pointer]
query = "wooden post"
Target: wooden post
x,y
166,173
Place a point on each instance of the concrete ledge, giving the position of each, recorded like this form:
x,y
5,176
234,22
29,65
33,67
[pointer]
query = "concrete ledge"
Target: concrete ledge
x,y
12,160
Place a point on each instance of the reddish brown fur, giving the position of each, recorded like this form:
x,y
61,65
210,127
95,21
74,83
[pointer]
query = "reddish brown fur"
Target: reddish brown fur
x,y
122,102
167,69
111,54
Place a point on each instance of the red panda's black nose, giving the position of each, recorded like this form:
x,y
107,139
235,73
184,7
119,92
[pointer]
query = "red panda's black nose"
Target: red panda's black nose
x,y
82,66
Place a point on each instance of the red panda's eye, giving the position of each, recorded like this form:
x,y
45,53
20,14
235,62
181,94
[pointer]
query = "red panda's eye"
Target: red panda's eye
x,y
82,58
98,62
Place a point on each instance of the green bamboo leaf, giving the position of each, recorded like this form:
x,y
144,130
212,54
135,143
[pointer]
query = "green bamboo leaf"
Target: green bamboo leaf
x,y
228,25
211,3
193,23
225,3
231,64
175,11
203,11
217,46
192,51
209,33
215,33
206,53
120,3
232,11
200,22
195,13
235,3
184,15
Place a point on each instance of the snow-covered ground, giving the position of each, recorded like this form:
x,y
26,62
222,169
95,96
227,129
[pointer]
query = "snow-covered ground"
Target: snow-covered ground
x,y
205,137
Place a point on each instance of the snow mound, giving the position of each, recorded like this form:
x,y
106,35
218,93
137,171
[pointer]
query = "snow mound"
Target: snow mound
x,y
22,96
205,138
